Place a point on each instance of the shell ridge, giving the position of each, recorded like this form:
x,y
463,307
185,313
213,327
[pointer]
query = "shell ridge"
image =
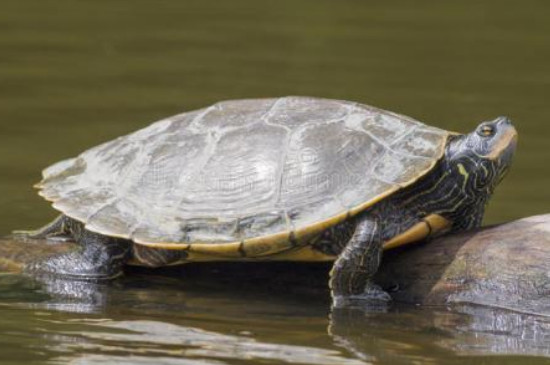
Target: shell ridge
x,y
281,167
337,195
193,124
372,170
376,139
90,227
387,147
408,133
267,114
211,148
121,189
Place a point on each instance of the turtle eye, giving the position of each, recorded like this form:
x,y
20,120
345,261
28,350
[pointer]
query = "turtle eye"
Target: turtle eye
x,y
486,130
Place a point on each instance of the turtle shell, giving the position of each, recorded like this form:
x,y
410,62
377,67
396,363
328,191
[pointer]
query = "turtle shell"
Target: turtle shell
x,y
259,172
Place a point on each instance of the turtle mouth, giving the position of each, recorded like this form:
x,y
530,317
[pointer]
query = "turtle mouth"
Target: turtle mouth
x,y
505,147
508,153
505,157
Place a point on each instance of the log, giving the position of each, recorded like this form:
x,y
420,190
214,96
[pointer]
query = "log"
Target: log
x,y
506,266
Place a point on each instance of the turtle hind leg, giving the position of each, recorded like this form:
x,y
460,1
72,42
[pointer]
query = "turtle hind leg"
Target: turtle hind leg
x,y
99,258
56,230
351,276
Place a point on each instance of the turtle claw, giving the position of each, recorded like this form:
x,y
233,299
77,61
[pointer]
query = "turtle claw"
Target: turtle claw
x,y
373,298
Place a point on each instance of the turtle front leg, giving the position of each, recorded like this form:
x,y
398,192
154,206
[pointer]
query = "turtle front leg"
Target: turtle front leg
x,y
351,276
99,258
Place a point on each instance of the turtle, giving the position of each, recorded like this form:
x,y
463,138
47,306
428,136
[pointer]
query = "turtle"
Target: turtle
x,y
291,178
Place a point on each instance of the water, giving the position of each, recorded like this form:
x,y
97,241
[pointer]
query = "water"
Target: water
x,y
74,74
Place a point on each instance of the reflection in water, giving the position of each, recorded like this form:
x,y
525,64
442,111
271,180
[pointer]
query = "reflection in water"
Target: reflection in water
x,y
74,296
429,335
179,324
492,331
167,340
212,321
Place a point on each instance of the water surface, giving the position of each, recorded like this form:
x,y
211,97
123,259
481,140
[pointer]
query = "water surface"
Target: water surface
x,y
77,73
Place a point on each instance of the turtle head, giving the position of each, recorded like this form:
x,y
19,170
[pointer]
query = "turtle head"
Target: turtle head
x,y
484,156
474,165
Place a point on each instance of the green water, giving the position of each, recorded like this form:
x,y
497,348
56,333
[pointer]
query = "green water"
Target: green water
x,y
76,73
